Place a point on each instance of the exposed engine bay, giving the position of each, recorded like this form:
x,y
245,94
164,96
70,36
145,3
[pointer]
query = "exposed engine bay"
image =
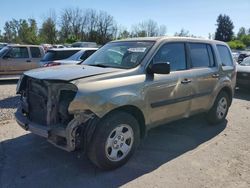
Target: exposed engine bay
x,y
44,111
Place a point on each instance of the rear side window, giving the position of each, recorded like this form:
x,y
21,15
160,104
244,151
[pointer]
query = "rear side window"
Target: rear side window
x,y
225,55
18,52
35,52
174,53
52,55
201,55
86,54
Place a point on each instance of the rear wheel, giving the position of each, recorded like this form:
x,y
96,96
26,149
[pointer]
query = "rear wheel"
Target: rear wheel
x,y
220,108
114,140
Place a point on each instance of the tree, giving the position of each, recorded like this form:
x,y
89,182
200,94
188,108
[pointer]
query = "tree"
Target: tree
x,y
1,36
48,32
246,40
224,31
148,28
122,33
242,32
106,28
182,33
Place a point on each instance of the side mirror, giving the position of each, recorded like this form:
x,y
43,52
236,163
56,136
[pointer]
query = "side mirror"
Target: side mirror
x,y
159,68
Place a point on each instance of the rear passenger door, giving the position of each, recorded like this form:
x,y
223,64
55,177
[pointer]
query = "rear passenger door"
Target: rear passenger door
x,y
16,61
36,56
206,74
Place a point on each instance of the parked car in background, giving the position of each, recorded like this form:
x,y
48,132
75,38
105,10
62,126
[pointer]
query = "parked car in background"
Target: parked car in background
x,y
46,47
243,73
78,57
242,56
54,54
235,56
15,59
110,101
84,45
3,45
58,46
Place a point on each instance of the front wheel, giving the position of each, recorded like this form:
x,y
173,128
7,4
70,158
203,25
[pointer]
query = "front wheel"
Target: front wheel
x,y
220,108
114,140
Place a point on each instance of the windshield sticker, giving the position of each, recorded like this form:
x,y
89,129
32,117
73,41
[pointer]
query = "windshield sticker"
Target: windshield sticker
x,y
137,50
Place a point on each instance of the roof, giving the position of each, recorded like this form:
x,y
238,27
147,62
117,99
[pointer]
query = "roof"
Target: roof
x,y
186,39
23,45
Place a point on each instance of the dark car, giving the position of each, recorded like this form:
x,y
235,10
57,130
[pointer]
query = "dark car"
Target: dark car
x,y
84,45
243,73
242,56
58,54
74,59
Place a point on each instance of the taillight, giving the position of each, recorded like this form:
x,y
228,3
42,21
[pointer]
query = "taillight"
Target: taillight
x,y
51,64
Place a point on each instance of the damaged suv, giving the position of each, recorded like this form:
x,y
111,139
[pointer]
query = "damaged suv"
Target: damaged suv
x,y
105,105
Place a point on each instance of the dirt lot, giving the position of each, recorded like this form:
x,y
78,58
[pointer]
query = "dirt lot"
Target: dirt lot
x,y
186,153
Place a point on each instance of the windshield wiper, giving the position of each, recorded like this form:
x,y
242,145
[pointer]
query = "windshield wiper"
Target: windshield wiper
x,y
98,65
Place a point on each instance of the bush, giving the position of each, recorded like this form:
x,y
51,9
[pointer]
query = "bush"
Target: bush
x,y
237,44
245,39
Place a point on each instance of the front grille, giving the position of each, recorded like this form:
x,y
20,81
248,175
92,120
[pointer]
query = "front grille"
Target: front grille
x,y
37,100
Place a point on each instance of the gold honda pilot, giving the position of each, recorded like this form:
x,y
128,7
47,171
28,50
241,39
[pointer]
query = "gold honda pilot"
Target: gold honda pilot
x,y
107,104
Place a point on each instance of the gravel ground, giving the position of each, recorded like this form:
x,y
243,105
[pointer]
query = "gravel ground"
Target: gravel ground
x,y
185,153
8,100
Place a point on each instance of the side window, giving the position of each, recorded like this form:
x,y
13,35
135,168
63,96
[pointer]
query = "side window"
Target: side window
x,y
201,55
86,54
19,52
174,53
225,55
35,52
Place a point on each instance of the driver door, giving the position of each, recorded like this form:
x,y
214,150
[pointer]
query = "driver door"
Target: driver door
x,y
169,95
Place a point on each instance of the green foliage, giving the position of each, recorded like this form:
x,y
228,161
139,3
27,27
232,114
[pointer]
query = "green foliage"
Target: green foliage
x,y
48,32
245,39
237,44
224,31
21,31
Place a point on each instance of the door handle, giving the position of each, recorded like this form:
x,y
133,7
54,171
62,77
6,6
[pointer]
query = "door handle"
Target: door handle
x,y
28,61
216,75
186,81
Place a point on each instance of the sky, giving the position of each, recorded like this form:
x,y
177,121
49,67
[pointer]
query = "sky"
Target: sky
x,y
196,16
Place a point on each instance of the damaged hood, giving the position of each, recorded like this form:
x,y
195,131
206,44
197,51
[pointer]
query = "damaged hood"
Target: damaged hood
x,y
68,72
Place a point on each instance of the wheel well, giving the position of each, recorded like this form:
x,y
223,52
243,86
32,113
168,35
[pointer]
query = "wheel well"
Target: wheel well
x,y
138,115
229,92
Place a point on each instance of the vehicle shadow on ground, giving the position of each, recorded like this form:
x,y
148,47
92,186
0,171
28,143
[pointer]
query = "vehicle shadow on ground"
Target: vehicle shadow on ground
x,y
29,161
243,94
8,82
10,102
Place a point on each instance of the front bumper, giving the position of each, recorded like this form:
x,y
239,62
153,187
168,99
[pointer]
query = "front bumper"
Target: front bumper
x,y
56,135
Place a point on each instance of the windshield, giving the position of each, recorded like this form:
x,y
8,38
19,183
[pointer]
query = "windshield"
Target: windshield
x,y
58,55
246,62
3,51
125,55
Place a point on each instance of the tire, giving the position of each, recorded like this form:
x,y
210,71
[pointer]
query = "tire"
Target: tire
x,y
114,141
219,110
